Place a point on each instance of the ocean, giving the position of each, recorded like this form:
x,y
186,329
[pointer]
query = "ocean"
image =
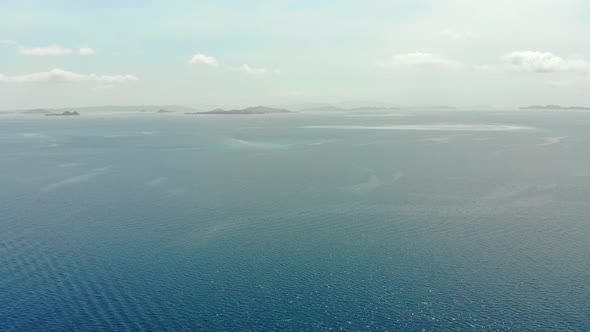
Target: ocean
x,y
408,220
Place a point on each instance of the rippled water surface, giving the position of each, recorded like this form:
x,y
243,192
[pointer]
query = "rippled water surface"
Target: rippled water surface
x,y
413,221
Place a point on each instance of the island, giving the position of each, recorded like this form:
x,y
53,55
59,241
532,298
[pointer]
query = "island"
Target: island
x,y
164,111
245,111
66,113
553,107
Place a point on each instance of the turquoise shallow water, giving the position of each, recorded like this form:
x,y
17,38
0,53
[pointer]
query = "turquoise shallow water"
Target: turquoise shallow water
x,y
416,221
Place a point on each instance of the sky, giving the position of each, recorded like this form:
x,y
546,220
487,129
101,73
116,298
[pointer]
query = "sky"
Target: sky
x,y
230,53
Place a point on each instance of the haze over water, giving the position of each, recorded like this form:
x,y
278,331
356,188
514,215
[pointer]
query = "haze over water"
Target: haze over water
x,y
408,220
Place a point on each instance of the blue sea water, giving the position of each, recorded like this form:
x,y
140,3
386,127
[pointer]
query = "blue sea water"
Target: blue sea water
x,y
403,221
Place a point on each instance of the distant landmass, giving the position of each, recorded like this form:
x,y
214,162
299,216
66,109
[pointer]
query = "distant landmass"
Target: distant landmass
x,y
133,109
376,108
554,107
66,113
110,109
307,107
244,111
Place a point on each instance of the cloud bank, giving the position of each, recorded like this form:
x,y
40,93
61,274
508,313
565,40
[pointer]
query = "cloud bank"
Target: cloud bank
x,y
60,75
86,51
246,69
48,51
202,59
544,62
51,50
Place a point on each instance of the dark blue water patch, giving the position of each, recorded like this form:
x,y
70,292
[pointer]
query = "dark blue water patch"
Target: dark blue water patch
x,y
167,229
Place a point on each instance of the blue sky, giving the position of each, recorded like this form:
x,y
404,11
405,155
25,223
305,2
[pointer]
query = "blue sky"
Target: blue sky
x,y
236,53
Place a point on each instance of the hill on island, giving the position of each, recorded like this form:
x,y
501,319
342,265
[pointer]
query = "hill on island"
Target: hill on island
x,y
554,107
246,111
66,113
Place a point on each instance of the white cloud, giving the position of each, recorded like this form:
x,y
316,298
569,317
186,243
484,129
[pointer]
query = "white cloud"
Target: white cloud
x,y
60,75
544,62
458,35
419,60
204,60
51,50
251,70
86,51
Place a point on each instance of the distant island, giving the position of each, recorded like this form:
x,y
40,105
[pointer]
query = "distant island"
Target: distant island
x,y
277,109
66,113
245,111
328,108
554,107
108,109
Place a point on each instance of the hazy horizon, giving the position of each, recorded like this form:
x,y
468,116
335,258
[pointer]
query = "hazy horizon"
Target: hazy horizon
x,y
294,106
387,220
229,54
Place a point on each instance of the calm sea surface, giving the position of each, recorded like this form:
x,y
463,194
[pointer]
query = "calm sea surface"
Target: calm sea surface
x,y
405,221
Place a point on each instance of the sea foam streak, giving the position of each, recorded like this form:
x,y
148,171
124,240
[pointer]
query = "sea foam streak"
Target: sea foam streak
x,y
240,143
552,140
76,179
437,140
374,182
156,182
426,127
